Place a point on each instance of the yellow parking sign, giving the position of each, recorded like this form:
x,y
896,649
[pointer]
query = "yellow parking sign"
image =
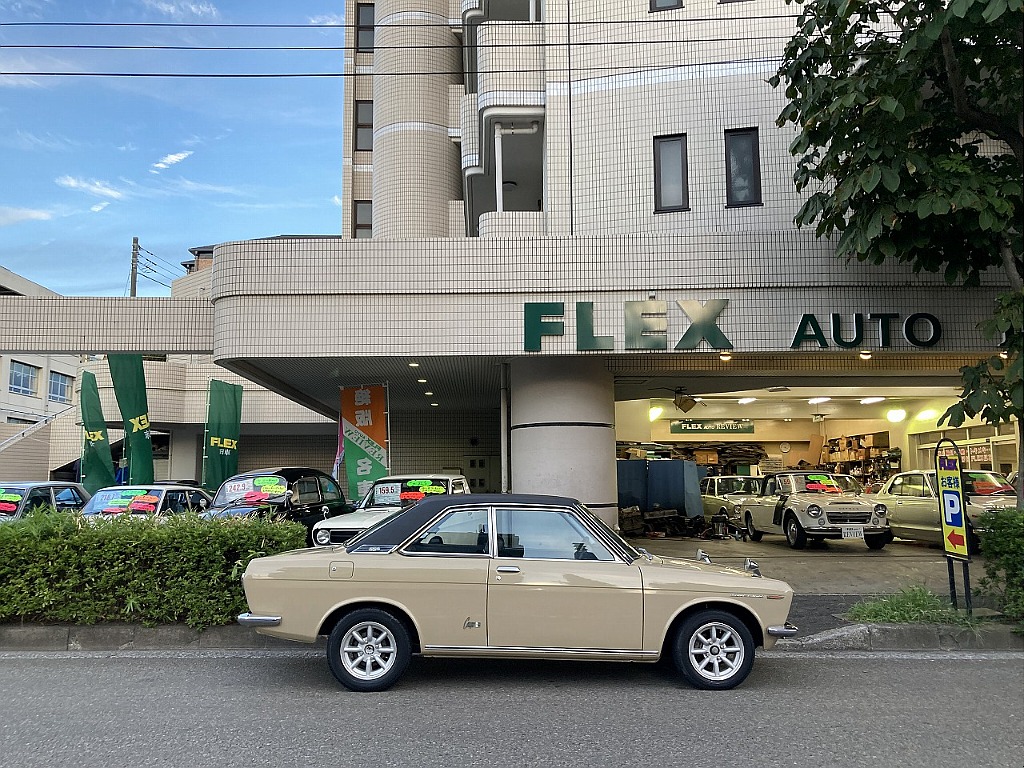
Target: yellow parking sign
x,y
951,506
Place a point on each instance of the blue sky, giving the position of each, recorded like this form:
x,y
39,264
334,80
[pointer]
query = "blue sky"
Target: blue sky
x,y
86,163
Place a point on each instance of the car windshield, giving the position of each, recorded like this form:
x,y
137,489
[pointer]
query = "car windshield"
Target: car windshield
x,y
249,489
727,485
394,492
10,499
114,501
825,482
987,484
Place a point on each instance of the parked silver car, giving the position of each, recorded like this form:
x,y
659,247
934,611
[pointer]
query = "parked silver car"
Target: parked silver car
x,y
914,504
17,498
816,506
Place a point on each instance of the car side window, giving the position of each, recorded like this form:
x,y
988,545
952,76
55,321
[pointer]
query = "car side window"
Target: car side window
x,y
771,488
37,497
913,485
705,486
459,486
549,534
174,502
67,498
196,499
307,491
330,490
460,532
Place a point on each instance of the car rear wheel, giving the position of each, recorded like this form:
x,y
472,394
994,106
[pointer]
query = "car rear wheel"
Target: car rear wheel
x,y
878,540
713,650
368,650
752,533
795,533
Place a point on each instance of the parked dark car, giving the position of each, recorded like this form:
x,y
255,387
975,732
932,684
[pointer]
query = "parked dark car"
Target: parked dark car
x,y
17,498
301,494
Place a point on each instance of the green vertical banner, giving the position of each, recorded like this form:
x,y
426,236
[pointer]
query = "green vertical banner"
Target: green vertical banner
x,y
130,389
223,425
364,436
97,468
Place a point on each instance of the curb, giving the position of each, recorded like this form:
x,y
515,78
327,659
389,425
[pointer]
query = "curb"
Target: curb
x,y
134,637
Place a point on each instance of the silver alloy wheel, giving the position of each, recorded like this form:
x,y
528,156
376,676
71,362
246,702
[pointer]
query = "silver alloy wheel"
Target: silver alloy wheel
x,y
368,650
716,651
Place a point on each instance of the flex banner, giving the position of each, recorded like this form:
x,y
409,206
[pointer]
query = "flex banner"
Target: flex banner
x,y
97,467
130,389
223,424
363,436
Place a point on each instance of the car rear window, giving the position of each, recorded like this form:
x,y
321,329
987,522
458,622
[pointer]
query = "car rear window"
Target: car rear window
x,y
10,499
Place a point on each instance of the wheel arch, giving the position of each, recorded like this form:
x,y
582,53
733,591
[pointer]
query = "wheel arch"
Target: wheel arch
x,y
399,612
740,611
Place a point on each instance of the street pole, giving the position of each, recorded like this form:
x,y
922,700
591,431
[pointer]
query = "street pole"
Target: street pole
x,y
135,267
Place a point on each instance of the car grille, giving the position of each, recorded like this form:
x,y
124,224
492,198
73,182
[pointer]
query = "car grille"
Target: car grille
x,y
854,515
340,537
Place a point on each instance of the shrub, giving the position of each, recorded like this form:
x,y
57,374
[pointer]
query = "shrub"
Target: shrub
x,y
912,605
1002,546
63,568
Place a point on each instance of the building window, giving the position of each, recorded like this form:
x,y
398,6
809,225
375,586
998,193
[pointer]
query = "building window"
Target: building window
x,y
665,5
743,168
362,219
61,387
364,126
364,28
23,378
671,186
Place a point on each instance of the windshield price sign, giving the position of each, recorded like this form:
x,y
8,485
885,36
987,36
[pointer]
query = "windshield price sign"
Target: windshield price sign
x,y
951,507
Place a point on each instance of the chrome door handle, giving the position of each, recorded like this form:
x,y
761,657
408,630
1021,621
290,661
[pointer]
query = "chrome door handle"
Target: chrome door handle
x,y
507,569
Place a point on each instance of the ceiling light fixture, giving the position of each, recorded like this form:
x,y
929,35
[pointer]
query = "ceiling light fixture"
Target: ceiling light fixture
x,y
414,365
818,400
725,357
654,412
865,354
428,394
746,400
926,414
896,415
435,405
421,381
871,400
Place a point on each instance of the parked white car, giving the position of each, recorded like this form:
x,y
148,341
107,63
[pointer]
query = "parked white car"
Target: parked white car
x,y
725,494
387,496
816,505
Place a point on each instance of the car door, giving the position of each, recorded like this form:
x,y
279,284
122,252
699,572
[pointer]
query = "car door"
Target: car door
x,y
332,496
915,513
707,491
765,505
306,505
553,584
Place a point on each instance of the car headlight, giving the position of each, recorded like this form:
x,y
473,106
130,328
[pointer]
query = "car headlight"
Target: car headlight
x,y
322,536
813,510
880,510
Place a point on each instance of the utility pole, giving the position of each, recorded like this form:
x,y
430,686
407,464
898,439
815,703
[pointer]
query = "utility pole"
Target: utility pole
x,y
135,266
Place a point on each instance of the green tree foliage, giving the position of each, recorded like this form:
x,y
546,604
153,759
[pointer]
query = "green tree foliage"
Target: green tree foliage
x,y
910,146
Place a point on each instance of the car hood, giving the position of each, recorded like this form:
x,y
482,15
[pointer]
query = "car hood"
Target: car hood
x,y
672,573
361,518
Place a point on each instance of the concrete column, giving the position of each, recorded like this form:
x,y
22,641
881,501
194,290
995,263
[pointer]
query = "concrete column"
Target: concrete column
x,y
416,166
563,431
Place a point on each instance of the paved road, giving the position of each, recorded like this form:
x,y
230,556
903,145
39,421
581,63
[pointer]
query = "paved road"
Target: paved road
x,y
284,709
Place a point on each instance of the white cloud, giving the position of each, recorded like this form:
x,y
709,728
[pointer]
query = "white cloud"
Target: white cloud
x,y
100,206
183,9
10,216
187,185
92,186
167,161
30,142
337,201
327,18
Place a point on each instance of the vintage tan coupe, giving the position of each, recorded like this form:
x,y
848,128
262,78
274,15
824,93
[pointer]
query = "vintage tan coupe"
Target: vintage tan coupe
x,y
512,576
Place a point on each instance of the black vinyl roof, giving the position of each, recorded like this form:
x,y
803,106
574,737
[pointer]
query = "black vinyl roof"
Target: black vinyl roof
x,y
400,527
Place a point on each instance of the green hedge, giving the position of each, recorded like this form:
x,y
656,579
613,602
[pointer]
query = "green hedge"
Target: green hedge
x,y
63,568
1002,546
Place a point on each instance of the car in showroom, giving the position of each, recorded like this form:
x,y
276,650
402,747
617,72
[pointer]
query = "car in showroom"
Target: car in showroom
x,y
17,498
913,503
384,498
152,499
512,576
724,495
814,506
300,494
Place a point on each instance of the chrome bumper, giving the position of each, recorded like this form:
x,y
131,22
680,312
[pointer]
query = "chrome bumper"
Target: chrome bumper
x,y
788,630
252,620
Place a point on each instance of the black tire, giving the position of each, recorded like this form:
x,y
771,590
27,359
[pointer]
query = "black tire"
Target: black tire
x,y
713,650
368,650
752,533
878,540
795,534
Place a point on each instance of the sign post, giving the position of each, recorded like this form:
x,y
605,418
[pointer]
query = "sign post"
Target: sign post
x,y
953,515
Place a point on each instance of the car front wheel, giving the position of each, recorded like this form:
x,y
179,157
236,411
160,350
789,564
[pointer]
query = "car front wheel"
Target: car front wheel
x,y
878,540
795,533
752,533
368,650
713,650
